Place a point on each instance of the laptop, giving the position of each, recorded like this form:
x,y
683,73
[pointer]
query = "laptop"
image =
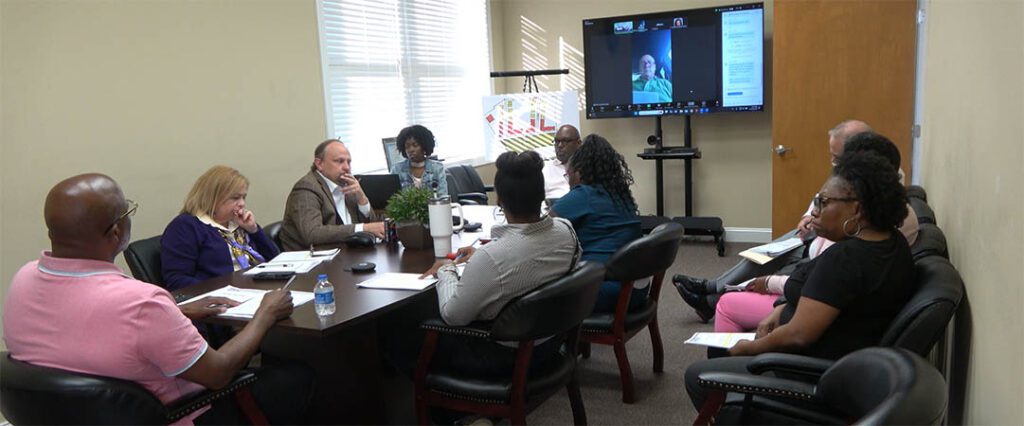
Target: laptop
x,y
379,188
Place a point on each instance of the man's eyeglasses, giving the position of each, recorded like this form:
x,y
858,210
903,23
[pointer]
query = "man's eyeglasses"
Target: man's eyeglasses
x,y
132,207
821,201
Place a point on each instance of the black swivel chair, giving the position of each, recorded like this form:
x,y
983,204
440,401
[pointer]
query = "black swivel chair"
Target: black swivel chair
x,y
42,395
555,309
923,320
871,386
930,242
274,232
648,256
143,258
470,186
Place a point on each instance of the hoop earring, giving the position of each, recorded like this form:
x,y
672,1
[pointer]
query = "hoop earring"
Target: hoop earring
x,y
848,234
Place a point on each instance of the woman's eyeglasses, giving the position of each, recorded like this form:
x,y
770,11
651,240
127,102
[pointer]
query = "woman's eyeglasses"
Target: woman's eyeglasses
x,y
821,201
132,207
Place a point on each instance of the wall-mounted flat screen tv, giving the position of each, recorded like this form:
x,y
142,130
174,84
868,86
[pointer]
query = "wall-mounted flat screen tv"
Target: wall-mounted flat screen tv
x,y
694,61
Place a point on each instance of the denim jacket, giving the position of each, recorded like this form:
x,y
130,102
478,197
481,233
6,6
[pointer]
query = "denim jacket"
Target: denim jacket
x,y
434,173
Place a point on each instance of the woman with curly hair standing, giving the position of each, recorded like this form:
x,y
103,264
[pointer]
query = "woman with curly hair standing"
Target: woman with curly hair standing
x,y
602,211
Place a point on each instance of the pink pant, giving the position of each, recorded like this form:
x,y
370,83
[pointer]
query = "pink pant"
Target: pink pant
x,y
740,311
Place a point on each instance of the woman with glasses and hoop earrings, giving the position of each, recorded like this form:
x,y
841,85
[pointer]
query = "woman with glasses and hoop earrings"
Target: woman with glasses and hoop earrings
x,y
844,299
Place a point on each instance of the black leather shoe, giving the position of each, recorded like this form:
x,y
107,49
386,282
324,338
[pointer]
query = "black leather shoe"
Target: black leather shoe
x,y
698,302
693,285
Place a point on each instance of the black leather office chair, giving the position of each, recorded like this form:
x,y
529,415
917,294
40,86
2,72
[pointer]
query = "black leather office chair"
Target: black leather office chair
x,y
915,191
871,386
648,256
42,395
923,320
466,198
555,309
143,258
274,232
470,186
922,210
930,242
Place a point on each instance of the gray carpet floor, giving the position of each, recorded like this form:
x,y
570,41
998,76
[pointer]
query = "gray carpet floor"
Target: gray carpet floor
x,y
661,398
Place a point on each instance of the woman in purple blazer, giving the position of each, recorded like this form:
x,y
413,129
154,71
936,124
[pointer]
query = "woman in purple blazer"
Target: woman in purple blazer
x,y
214,235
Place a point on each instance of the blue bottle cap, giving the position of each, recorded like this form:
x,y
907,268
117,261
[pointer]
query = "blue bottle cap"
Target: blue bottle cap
x,y
322,277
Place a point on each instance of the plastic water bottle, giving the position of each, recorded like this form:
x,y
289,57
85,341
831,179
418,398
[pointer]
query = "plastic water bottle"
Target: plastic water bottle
x,y
323,296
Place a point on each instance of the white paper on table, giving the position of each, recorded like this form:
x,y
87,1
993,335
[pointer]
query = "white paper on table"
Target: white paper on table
x,y
741,286
249,307
297,267
718,340
302,255
231,292
398,281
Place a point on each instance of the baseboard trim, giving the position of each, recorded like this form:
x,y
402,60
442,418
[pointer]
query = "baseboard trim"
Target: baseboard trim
x,y
748,235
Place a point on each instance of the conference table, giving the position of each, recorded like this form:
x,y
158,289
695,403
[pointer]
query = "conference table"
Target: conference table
x,y
354,385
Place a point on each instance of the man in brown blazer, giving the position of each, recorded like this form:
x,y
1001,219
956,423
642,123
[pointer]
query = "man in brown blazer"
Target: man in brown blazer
x,y
327,204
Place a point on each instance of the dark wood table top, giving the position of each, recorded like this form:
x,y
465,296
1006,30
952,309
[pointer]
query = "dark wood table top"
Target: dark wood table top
x,y
354,305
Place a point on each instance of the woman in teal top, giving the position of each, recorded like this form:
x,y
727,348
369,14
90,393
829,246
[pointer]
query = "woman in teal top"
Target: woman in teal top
x,y
416,143
602,211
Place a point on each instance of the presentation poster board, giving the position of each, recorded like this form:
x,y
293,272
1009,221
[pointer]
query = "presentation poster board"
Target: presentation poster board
x,y
527,121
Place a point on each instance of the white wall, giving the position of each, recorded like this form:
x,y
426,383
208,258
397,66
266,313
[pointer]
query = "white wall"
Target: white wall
x,y
152,93
972,156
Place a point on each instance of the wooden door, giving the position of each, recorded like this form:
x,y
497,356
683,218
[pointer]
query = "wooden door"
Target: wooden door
x,y
835,60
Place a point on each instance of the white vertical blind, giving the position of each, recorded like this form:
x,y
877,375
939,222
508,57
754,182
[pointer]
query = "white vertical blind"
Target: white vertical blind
x,y
394,63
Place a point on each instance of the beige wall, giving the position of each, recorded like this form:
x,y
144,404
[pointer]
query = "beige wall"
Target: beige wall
x,y
153,93
732,181
971,160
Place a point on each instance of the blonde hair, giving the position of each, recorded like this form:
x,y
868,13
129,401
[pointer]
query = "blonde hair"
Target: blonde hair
x,y
211,188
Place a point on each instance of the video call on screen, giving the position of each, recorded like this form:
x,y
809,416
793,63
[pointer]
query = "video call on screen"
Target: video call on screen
x,y
685,62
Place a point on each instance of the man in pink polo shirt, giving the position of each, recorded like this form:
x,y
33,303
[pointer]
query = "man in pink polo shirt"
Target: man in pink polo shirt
x,y
74,309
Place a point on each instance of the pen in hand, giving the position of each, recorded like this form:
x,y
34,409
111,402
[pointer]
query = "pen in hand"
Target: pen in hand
x,y
288,283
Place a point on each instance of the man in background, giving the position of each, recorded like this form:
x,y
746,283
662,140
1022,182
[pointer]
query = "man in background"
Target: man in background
x,y
649,81
327,204
556,184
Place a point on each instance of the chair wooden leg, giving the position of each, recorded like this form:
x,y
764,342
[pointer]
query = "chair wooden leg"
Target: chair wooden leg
x,y
518,417
625,373
584,349
250,408
579,412
659,351
422,412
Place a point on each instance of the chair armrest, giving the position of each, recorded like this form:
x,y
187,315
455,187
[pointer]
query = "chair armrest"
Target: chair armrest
x,y
478,329
478,197
789,363
190,404
488,188
757,385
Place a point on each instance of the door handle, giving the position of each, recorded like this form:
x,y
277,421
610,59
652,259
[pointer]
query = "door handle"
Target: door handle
x,y
781,150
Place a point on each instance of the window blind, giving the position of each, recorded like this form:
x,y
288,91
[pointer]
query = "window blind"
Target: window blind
x,y
393,63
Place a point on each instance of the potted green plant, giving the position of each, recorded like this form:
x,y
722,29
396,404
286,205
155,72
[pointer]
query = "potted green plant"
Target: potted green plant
x,y
408,208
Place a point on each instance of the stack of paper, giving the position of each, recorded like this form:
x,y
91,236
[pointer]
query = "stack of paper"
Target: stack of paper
x,y
249,299
301,255
765,253
295,262
398,281
718,340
